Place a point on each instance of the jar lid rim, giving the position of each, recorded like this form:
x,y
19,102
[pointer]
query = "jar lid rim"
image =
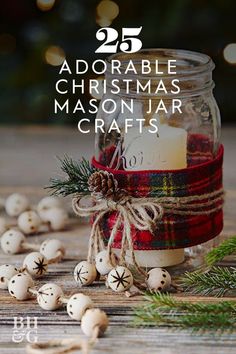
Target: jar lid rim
x,y
198,62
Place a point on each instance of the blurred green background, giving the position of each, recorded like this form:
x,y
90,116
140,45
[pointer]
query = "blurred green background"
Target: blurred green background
x,y
35,36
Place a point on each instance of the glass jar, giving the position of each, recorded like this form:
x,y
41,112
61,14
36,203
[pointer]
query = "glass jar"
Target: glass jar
x,y
186,137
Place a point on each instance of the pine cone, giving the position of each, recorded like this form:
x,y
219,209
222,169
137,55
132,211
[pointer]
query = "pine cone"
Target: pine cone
x,y
102,184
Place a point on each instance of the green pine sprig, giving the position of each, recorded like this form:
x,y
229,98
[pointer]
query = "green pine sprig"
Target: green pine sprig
x,y
226,248
164,309
217,281
76,182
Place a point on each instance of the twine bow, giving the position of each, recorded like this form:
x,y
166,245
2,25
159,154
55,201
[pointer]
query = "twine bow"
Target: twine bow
x,y
143,214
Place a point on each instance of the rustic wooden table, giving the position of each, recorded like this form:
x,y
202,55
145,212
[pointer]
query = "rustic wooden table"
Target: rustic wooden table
x,y
27,161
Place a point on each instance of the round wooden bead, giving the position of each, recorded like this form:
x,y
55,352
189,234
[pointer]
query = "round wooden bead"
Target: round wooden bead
x,y
49,297
158,279
35,264
57,218
120,279
103,263
52,249
19,285
77,305
7,271
11,241
47,203
3,225
85,273
16,204
92,319
29,222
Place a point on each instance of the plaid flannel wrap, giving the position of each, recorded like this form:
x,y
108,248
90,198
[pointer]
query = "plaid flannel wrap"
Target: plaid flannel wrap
x,y
174,231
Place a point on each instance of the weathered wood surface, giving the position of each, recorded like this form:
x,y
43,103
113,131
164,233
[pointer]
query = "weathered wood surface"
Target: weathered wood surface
x,y
121,337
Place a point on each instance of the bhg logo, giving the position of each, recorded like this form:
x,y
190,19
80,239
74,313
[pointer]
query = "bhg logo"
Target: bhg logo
x,y
25,329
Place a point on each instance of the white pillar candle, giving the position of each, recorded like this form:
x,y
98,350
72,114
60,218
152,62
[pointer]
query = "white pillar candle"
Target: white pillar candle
x,y
166,150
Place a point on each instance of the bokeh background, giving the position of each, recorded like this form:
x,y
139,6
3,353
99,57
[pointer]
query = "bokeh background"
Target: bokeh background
x,y
36,36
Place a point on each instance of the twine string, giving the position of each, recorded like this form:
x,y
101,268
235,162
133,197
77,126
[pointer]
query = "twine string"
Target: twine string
x,y
30,246
143,214
59,346
62,346
112,237
128,236
58,258
33,291
95,233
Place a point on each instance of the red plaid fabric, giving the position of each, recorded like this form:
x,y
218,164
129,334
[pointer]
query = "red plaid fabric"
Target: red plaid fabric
x,y
173,231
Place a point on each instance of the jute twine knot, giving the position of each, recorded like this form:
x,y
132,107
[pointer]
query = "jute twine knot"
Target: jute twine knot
x,y
144,214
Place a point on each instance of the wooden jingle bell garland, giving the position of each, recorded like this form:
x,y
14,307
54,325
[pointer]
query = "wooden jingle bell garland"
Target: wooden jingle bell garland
x,y
13,241
144,215
50,297
30,220
35,264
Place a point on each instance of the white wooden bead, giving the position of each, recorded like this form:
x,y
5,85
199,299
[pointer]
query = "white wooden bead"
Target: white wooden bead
x,y
92,319
16,204
35,264
103,263
85,273
19,285
7,271
158,279
29,222
47,203
3,225
77,305
57,218
11,241
51,248
49,297
120,279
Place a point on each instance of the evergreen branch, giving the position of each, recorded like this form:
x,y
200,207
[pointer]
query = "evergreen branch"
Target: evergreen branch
x,y
217,281
166,301
208,322
163,309
76,182
217,254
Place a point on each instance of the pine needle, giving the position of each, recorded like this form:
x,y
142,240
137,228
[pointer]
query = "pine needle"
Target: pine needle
x,y
217,281
217,254
76,182
164,309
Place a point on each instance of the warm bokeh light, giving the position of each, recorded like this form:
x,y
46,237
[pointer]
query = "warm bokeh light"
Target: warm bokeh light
x,y
99,95
55,55
103,22
230,53
45,5
107,9
7,43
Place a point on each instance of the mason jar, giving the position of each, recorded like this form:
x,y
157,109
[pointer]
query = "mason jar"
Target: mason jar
x,y
186,137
